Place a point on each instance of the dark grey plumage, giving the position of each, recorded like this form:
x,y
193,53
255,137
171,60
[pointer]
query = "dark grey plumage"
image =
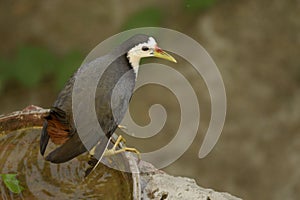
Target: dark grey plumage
x,y
59,124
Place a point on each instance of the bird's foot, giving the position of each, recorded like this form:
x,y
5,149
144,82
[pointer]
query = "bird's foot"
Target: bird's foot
x,y
93,162
114,151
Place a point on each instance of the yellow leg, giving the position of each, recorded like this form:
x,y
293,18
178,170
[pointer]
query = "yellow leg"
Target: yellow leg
x,y
114,151
120,139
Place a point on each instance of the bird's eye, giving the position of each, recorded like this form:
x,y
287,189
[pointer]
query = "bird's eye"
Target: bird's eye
x,y
144,48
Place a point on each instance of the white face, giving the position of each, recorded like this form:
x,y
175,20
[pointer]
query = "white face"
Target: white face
x,y
144,49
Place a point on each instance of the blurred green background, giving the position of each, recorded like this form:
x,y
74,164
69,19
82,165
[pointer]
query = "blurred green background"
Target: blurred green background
x,y
255,44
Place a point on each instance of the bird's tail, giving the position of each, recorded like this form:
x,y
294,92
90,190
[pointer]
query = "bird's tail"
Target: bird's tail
x,y
44,138
67,151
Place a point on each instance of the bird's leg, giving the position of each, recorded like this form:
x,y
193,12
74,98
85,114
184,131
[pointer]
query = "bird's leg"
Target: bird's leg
x,y
114,151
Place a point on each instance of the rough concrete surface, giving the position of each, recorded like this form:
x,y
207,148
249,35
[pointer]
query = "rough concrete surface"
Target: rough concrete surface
x,y
158,185
163,186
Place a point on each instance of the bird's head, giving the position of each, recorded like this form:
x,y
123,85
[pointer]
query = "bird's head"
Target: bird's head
x,y
146,47
149,49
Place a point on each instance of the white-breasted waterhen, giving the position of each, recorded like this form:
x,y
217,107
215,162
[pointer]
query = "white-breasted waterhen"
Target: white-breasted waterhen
x,y
59,124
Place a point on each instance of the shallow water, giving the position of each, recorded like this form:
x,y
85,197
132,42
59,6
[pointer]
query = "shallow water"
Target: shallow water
x,y
19,154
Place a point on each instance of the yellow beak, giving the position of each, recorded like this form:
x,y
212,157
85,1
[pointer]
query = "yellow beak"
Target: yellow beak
x,y
159,53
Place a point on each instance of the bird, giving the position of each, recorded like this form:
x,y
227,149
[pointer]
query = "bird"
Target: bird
x,y
59,126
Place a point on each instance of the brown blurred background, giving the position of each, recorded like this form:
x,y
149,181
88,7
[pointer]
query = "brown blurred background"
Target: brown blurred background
x,y
255,44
